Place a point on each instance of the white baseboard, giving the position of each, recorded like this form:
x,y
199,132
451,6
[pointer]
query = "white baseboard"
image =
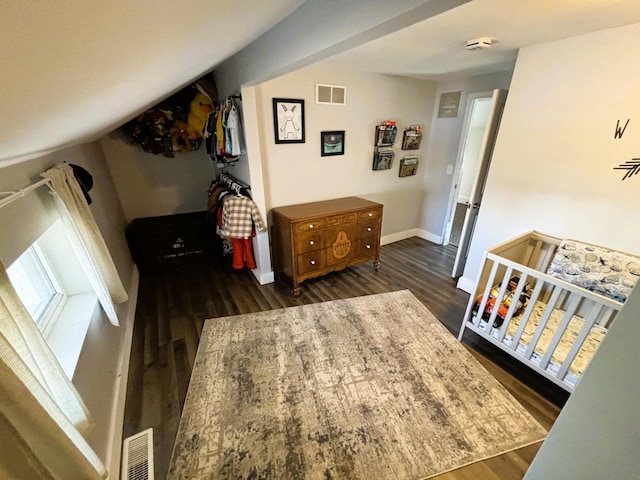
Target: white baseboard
x,y
413,232
396,237
264,277
117,411
466,284
437,239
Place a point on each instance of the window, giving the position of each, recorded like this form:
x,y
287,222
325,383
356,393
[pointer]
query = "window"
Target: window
x,y
37,286
57,294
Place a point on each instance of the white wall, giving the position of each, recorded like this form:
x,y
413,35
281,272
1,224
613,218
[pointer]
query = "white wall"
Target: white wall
x,y
552,168
443,150
297,173
97,376
153,185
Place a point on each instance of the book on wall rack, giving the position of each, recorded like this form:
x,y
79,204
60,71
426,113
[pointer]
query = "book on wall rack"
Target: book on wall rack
x,y
383,158
412,137
386,134
408,166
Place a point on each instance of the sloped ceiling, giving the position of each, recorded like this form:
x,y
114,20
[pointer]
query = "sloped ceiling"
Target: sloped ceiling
x,y
74,70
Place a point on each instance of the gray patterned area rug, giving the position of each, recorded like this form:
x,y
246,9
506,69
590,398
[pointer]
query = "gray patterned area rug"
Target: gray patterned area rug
x,y
371,387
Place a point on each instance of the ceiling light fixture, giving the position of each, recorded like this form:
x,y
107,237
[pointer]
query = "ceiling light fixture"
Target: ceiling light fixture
x,y
479,43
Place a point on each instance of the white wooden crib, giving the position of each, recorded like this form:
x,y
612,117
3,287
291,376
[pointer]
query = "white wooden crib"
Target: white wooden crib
x,y
562,324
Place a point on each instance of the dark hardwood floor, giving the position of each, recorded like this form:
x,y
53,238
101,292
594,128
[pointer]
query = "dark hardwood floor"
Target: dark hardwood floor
x,y
173,305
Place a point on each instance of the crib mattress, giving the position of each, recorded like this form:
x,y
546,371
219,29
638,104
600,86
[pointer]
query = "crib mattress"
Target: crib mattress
x,y
582,359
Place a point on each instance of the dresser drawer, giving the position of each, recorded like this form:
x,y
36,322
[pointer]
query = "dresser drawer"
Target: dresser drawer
x,y
368,247
369,214
342,219
368,228
310,225
308,262
309,241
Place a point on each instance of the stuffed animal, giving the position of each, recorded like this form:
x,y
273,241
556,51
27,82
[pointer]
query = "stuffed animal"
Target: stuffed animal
x,y
505,304
199,111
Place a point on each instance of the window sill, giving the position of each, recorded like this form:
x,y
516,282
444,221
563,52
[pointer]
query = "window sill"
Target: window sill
x,y
67,335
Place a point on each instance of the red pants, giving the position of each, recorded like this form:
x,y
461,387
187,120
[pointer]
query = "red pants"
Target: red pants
x,y
242,254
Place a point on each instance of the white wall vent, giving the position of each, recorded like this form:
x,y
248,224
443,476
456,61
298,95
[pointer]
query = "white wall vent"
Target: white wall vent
x,y
137,456
331,94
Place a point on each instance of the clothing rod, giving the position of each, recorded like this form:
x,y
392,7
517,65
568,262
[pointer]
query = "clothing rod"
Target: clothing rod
x,y
227,178
12,196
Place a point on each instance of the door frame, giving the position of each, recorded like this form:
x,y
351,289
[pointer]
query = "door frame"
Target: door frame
x,y
457,169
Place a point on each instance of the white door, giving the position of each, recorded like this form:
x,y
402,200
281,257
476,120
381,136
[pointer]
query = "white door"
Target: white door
x,y
484,153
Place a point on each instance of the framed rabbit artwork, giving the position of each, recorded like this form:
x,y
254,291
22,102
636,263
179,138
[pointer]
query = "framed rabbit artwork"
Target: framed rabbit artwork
x,y
288,120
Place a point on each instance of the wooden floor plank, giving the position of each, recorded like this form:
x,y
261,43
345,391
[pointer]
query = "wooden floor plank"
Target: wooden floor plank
x,y
173,305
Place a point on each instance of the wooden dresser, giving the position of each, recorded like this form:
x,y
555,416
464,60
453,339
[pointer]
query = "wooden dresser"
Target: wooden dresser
x,y
313,239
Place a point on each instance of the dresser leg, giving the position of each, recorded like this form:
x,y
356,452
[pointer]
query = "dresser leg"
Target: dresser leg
x,y
296,291
376,265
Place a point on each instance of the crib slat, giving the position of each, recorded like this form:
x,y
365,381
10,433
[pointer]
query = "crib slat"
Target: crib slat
x,y
562,299
485,295
589,321
514,303
528,253
536,253
543,264
574,301
605,319
557,290
468,314
496,306
527,314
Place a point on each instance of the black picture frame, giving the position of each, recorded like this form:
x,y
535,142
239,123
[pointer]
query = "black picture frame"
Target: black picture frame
x,y
332,143
288,120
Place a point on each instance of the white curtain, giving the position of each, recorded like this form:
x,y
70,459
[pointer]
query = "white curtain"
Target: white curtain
x,y
41,413
89,245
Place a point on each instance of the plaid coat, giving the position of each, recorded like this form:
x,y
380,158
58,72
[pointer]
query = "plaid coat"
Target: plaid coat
x,y
239,214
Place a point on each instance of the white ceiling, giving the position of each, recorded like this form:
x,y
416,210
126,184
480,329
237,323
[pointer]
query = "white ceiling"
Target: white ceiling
x,y
435,48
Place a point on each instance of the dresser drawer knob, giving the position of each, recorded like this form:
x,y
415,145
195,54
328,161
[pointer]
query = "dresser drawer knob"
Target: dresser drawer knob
x,y
368,246
369,229
371,214
313,262
311,225
311,242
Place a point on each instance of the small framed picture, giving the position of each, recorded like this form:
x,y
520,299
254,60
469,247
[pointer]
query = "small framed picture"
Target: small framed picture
x,y
332,143
383,158
288,120
408,166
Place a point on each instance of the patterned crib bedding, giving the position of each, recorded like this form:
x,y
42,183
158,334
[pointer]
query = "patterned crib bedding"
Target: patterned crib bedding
x,y
580,362
600,270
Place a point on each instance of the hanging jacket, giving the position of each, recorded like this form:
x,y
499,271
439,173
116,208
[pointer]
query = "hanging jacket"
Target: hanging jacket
x,y
239,214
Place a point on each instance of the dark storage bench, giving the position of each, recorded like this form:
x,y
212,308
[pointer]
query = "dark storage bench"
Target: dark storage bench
x,y
171,241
